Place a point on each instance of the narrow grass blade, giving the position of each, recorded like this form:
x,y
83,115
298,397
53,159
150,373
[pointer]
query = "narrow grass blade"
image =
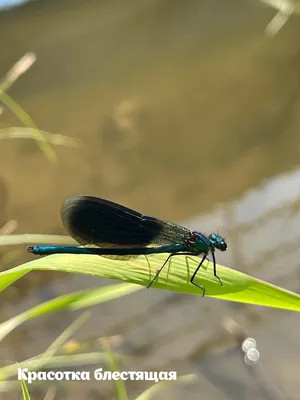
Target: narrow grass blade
x,y
27,121
25,392
56,139
73,360
18,69
71,301
25,238
113,365
62,338
160,386
9,227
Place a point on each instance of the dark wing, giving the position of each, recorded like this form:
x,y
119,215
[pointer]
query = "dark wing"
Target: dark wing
x,y
91,220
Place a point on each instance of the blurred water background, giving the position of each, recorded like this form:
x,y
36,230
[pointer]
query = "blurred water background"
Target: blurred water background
x,y
188,111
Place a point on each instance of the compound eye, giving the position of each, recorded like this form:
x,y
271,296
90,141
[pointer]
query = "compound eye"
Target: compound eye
x,y
223,246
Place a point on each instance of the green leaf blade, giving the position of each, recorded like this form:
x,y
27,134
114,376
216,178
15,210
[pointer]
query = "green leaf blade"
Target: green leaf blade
x,y
237,286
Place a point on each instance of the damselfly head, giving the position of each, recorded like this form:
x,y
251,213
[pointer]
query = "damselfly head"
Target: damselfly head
x,y
217,242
